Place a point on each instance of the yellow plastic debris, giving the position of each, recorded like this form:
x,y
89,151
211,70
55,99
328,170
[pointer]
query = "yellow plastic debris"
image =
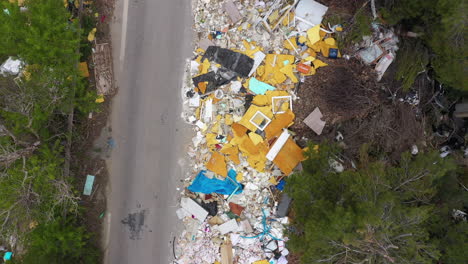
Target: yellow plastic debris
x,y
261,100
205,66
261,70
253,109
274,17
216,128
83,69
322,34
238,130
247,146
288,70
202,86
302,39
217,164
276,126
318,63
239,177
92,34
261,262
288,157
313,34
290,44
273,181
228,119
100,99
232,153
96,14
330,41
316,148
273,64
256,138
211,139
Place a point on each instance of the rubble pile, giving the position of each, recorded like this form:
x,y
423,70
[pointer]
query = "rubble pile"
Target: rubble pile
x,y
239,96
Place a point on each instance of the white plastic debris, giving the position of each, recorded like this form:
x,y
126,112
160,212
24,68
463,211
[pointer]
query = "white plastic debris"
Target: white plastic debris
x,y
414,150
309,13
278,145
194,209
229,226
11,67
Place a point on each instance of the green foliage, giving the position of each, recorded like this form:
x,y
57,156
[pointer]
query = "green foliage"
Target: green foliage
x,y
412,58
44,38
34,108
360,27
58,242
442,25
448,232
376,213
30,190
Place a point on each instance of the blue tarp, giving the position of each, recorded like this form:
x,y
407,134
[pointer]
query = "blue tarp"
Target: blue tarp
x,y
206,185
7,256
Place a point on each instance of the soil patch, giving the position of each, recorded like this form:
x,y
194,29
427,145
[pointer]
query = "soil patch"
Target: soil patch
x,y
355,105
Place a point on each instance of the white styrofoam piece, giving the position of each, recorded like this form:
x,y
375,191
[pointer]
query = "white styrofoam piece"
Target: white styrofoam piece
x,y
229,226
258,58
310,11
278,145
194,209
208,111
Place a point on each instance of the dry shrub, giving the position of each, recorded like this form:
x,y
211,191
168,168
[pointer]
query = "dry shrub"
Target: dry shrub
x,y
341,92
391,129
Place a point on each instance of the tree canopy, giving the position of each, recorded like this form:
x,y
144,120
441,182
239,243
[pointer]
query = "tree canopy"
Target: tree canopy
x,y
375,214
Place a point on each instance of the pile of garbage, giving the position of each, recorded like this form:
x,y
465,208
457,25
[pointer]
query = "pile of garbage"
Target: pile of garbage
x,y
378,49
239,94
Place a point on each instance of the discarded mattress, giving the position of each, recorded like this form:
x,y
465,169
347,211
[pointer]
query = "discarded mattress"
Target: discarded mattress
x,y
231,60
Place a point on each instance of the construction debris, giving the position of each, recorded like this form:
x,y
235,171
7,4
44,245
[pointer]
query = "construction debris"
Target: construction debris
x,y
239,90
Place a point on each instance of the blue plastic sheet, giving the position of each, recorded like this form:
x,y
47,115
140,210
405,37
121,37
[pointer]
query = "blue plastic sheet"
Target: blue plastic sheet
x,y
7,256
259,87
206,185
280,185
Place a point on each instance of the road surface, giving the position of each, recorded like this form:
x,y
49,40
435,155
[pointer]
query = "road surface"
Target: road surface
x,y
151,40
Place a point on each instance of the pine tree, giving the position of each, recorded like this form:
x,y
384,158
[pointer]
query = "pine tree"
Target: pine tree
x,y
374,214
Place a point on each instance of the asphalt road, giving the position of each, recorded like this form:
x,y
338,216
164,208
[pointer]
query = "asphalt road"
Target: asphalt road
x,y
151,40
